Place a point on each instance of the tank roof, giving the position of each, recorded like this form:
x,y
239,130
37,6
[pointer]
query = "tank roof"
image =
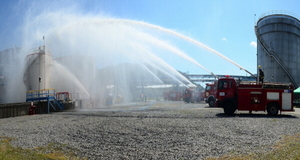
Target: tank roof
x,y
278,13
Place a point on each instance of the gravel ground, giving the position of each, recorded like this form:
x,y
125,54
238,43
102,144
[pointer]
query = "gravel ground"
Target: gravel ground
x,y
159,130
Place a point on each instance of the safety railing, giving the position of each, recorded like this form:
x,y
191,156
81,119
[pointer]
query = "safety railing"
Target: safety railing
x,y
40,95
48,95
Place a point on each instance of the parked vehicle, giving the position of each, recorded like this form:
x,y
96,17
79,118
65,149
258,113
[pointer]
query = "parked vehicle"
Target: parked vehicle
x,y
270,97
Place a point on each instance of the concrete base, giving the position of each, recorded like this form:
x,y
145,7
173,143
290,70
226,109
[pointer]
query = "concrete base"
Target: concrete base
x,y
21,109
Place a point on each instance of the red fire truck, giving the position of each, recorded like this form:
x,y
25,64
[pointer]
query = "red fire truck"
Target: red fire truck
x,y
210,93
193,95
268,97
172,96
188,95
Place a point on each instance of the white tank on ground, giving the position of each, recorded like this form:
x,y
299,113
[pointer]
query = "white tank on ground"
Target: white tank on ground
x,y
37,74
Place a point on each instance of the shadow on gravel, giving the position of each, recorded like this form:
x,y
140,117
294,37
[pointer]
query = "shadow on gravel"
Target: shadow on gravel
x,y
245,115
211,107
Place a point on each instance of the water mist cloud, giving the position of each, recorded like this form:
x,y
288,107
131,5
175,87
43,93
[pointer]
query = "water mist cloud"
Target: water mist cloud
x,y
113,54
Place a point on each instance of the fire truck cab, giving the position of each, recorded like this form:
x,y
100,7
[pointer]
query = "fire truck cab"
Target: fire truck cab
x,y
188,95
210,94
270,97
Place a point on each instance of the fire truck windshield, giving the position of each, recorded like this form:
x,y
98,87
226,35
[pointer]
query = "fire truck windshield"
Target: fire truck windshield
x,y
224,84
208,88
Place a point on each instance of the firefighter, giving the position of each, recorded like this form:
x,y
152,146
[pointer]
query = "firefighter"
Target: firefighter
x,y
261,75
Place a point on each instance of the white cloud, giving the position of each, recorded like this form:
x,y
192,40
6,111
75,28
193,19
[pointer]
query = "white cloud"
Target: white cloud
x,y
224,39
253,44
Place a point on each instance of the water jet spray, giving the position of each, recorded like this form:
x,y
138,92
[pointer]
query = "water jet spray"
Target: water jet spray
x,y
187,39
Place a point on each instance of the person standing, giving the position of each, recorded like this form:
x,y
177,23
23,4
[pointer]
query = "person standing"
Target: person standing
x,y
261,75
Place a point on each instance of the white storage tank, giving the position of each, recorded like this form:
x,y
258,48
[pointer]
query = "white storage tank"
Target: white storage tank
x,y
37,74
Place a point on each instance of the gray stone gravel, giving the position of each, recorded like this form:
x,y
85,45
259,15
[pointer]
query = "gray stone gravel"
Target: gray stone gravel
x,y
162,130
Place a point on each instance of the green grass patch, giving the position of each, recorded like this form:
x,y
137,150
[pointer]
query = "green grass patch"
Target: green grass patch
x,y
288,148
50,152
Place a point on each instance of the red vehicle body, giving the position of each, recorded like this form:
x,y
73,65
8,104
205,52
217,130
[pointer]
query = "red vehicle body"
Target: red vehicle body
x,y
172,96
268,97
190,95
201,95
210,93
63,96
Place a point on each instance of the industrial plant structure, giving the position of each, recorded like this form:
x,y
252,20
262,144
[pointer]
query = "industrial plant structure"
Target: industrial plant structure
x,y
38,75
278,46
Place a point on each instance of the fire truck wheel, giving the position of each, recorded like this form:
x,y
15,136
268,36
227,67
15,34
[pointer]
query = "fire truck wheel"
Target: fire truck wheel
x,y
188,100
272,109
211,103
229,107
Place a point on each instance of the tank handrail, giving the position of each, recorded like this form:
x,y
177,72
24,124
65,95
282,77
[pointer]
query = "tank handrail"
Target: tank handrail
x,y
275,56
40,49
279,12
48,89
40,94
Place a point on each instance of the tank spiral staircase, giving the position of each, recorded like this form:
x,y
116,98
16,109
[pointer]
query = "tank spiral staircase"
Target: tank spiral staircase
x,y
276,58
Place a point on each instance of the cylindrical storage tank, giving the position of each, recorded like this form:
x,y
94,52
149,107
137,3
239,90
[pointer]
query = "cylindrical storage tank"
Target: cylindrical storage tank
x,y
36,74
278,46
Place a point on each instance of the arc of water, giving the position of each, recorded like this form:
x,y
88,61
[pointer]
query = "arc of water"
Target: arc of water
x,y
149,71
185,38
181,54
151,65
161,43
166,65
71,76
167,73
152,74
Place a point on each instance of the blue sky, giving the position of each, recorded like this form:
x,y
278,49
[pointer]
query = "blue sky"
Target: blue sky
x,y
226,26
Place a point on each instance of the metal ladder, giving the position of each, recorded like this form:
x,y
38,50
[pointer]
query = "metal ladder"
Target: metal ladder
x,y
55,104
